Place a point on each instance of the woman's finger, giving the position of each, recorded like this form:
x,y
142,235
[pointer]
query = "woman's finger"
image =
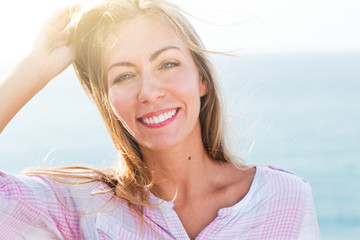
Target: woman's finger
x,y
62,17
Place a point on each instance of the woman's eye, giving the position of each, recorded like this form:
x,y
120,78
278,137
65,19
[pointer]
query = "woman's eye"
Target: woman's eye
x,y
169,65
123,77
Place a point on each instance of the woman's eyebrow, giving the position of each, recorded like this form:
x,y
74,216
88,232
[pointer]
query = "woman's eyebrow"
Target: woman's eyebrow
x,y
158,52
125,64
151,59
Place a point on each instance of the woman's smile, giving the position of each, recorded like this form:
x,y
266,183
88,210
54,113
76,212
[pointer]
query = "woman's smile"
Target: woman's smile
x,y
159,118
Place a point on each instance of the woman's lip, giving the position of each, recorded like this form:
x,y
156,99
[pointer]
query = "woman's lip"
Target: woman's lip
x,y
157,113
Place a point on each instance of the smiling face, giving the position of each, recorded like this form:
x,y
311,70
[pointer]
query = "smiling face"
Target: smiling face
x,y
154,86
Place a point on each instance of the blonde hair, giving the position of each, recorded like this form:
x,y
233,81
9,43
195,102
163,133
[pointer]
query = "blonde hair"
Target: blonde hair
x,y
130,179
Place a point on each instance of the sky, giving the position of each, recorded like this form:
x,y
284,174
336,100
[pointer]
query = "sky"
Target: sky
x,y
258,26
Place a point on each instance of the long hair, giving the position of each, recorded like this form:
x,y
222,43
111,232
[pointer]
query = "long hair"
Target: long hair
x,y
90,29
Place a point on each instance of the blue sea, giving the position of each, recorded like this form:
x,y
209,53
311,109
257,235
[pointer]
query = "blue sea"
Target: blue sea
x,y
298,111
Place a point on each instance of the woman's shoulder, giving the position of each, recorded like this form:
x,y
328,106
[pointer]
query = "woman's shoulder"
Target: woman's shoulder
x,y
42,191
285,200
15,186
43,185
279,173
47,206
281,183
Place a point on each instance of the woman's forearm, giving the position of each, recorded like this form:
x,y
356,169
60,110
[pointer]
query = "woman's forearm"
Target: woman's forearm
x,y
18,86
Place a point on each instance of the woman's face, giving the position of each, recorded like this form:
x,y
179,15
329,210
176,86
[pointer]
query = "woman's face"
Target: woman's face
x,y
154,84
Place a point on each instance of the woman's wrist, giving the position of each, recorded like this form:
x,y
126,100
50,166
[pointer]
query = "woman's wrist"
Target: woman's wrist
x,y
37,68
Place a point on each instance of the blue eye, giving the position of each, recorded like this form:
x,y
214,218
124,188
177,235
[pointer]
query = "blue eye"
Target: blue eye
x,y
169,65
123,77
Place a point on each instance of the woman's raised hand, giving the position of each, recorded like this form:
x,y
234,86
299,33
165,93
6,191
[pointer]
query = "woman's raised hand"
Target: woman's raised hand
x,y
52,53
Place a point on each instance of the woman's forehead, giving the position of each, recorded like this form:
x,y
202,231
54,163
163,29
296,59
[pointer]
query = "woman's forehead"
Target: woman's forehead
x,y
141,35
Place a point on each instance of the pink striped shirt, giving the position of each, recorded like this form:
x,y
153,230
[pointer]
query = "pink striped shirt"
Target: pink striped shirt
x,y
279,205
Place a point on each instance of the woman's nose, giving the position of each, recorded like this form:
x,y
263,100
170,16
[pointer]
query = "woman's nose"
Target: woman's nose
x,y
151,89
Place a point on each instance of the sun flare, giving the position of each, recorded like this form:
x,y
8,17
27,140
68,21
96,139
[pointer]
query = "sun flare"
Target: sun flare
x,y
273,25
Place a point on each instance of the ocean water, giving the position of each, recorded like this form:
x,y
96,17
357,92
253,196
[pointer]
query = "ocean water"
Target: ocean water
x,y
300,112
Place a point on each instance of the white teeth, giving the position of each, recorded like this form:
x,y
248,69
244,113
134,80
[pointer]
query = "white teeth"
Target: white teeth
x,y
156,119
160,118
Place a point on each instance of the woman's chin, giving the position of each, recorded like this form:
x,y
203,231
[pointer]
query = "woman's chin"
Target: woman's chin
x,y
157,146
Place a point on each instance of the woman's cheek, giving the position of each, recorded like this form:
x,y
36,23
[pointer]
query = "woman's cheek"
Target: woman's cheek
x,y
188,86
120,100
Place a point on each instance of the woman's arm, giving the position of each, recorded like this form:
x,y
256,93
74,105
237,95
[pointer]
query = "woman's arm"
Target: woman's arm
x,y
51,54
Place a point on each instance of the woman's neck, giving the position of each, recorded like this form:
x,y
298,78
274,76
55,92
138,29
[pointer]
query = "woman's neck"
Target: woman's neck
x,y
182,170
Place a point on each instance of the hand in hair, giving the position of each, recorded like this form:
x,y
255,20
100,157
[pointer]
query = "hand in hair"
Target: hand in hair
x,y
50,55
52,50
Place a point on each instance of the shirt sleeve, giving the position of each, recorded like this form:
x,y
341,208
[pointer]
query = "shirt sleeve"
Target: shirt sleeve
x,y
30,209
310,228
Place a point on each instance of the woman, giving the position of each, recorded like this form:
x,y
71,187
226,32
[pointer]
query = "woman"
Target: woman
x,y
146,69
